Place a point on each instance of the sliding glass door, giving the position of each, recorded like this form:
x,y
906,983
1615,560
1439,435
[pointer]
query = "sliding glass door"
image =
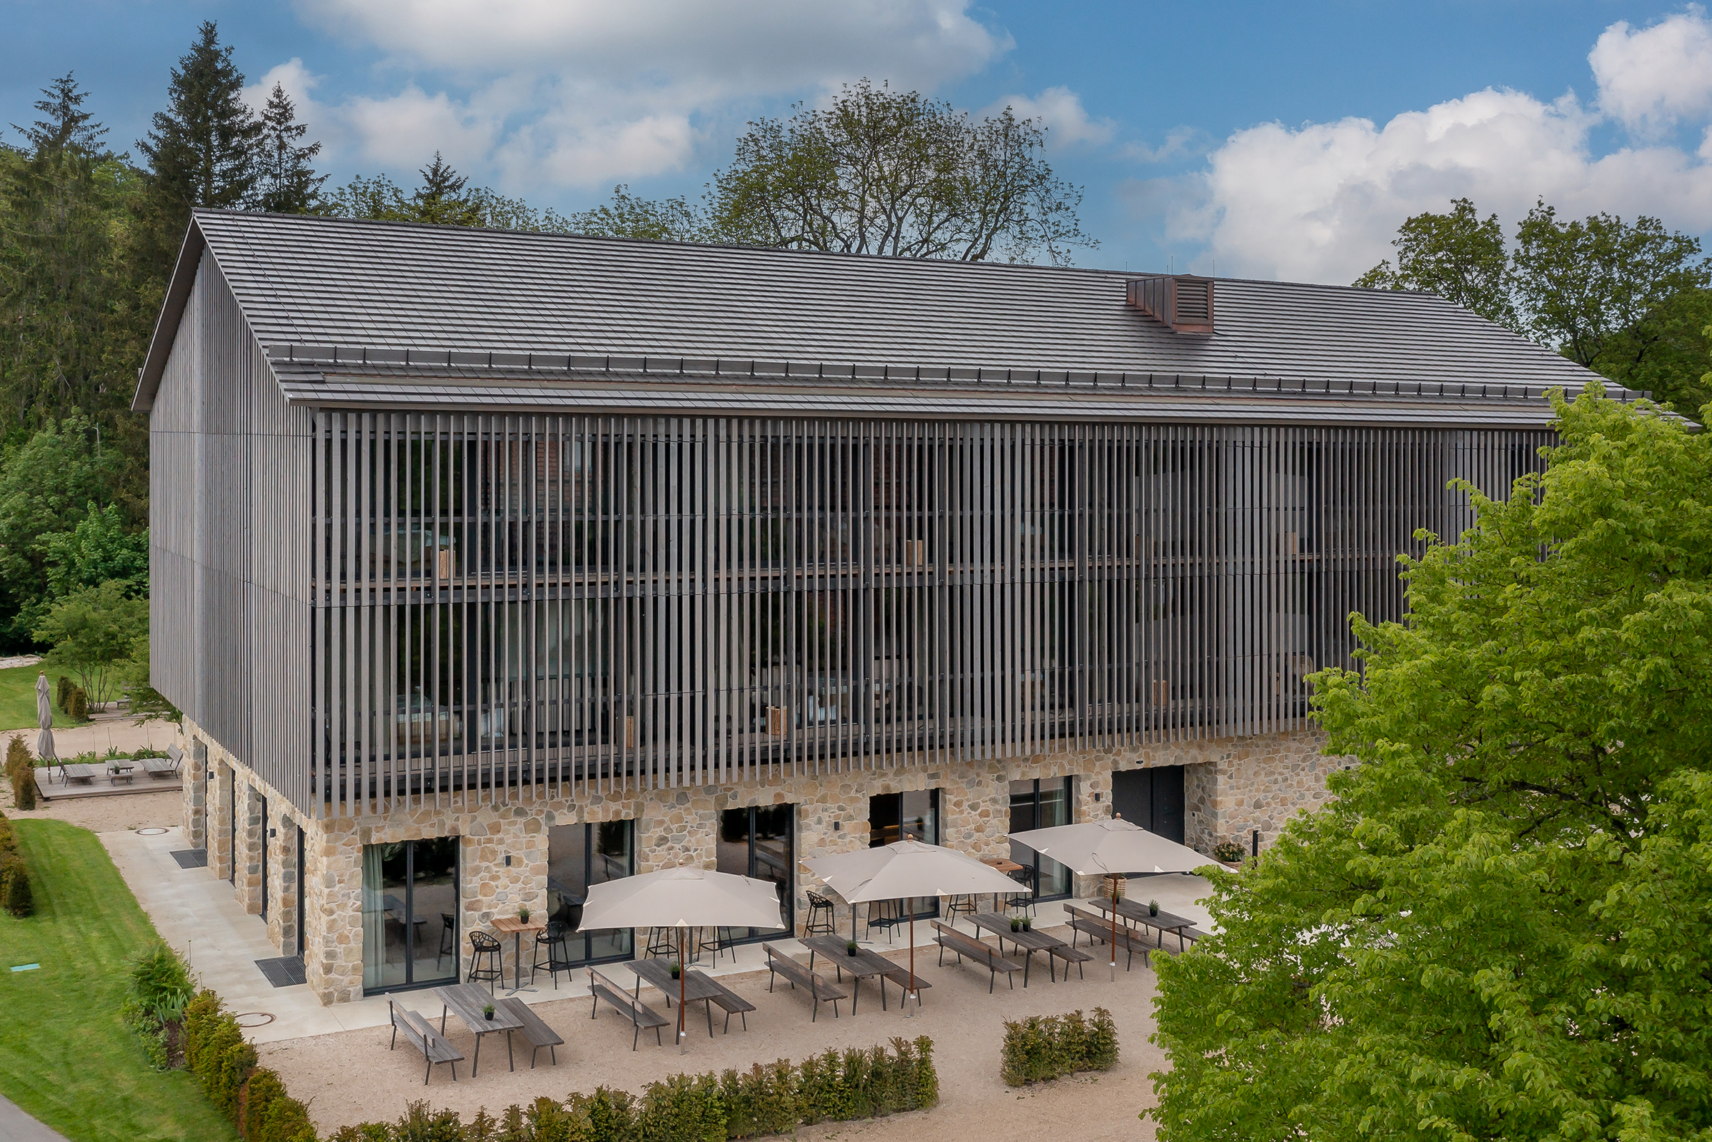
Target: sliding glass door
x,y
912,816
579,856
757,842
1041,804
410,914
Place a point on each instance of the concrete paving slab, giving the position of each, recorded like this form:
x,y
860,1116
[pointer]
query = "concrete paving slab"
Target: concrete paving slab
x,y
16,1126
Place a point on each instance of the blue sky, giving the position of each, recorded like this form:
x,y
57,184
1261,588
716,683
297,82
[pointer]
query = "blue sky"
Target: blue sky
x,y
1266,140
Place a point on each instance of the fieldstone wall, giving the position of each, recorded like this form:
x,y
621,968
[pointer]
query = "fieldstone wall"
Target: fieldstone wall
x,y
1235,786
284,881
247,885
193,789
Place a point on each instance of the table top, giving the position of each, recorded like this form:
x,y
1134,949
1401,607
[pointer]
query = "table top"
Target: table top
x,y
658,973
1003,865
1131,910
864,963
122,764
511,925
1001,927
466,1000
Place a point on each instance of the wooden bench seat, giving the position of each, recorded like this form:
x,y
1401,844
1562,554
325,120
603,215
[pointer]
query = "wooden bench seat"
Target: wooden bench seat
x,y
818,986
982,953
420,1033
640,1014
535,1030
1071,955
900,975
1100,928
731,1003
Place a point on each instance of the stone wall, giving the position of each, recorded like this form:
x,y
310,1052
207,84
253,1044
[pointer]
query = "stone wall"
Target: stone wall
x,y
193,789
1239,785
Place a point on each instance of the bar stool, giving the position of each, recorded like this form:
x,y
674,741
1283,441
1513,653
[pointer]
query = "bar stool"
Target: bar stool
x,y
885,915
721,942
484,948
1023,876
662,942
551,940
820,913
959,905
448,940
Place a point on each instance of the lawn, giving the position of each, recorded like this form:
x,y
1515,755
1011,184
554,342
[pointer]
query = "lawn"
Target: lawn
x,y
18,698
65,1057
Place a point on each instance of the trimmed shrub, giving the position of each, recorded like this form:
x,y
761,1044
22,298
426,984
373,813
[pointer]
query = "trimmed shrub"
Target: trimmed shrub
x,y
62,693
269,1114
21,772
15,894
216,1053
611,1114
1044,1047
683,1108
77,707
763,1101
161,979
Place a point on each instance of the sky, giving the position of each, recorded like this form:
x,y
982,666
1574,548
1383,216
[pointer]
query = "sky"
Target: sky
x,y
1259,140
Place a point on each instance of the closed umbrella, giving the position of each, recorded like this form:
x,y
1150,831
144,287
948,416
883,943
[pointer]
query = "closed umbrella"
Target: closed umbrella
x,y
1110,848
44,719
682,898
909,868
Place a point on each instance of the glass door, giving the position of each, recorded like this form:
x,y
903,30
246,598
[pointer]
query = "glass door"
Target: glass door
x,y
1041,805
410,914
758,842
912,816
579,856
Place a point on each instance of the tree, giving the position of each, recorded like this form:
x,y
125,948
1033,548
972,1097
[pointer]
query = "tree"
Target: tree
x,y
1580,285
1456,256
202,149
93,632
99,549
45,487
1498,928
287,183
878,172
443,197
1666,352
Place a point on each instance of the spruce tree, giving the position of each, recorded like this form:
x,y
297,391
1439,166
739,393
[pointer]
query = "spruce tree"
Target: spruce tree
x,y
288,183
202,148
441,197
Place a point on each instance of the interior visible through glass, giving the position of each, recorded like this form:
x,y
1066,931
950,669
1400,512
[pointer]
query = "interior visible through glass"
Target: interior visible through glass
x,y
912,816
410,913
579,856
757,842
1041,804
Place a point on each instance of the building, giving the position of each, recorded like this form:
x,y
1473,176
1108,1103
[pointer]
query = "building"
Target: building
x,y
486,565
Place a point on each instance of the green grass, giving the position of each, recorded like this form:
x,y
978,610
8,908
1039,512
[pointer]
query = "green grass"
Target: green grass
x,y
65,1056
18,698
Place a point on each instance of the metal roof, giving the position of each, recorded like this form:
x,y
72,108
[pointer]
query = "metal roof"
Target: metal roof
x,y
351,311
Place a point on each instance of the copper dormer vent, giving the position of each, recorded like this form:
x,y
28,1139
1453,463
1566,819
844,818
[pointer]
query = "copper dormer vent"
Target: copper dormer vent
x,y
1180,302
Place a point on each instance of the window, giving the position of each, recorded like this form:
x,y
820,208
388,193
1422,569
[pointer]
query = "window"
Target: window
x,y
912,816
1041,805
758,842
579,856
410,914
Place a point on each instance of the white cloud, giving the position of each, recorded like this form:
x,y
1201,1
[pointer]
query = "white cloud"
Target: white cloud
x,y
1322,202
1060,110
586,92
1178,140
1649,78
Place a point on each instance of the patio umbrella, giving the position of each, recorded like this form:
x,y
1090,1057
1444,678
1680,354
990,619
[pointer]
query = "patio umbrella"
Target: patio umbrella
x,y
1108,848
682,898
44,719
909,868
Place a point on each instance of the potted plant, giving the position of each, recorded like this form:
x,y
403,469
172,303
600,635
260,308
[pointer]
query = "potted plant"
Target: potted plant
x,y
1027,923
675,969
487,1011
850,947
1016,924
1153,907
1228,852
523,914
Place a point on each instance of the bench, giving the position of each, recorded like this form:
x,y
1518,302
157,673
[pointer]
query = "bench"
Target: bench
x,y
534,1030
731,1003
1071,955
1100,928
161,767
984,954
900,975
633,1009
823,992
420,1033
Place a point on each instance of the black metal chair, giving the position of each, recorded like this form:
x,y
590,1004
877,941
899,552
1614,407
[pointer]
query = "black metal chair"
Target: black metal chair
x,y
552,941
885,915
820,914
484,949
959,906
448,940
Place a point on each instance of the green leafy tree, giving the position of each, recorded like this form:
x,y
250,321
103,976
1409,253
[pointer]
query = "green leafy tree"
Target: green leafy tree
x,y
443,197
877,172
99,549
1473,940
45,487
93,633
1457,256
287,182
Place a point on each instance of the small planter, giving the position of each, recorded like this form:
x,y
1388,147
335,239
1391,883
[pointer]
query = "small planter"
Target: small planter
x,y
487,1011
523,915
1016,925
1153,907
851,947
1027,923
675,970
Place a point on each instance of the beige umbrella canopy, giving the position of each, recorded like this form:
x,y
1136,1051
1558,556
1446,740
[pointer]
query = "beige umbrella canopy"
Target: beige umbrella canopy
x,y
1111,848
682,898
44,720
909,868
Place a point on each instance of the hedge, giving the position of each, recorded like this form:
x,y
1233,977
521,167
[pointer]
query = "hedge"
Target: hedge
x,y
772,1099
1047,1046
21,772
15,894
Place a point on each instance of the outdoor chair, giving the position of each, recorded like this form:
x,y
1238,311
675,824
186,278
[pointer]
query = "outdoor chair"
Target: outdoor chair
x,y
662,942
959,906
1023,876
721,942
488,953
820,914
885,915
551,952
448,940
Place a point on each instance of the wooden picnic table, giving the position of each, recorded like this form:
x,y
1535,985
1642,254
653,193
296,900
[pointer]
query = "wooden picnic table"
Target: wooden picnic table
x,y
865,964
697,986
1027,941
79,772
515,928
466,1000
1134,914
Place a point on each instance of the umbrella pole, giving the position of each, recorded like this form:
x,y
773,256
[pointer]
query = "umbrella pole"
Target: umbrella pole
x,y
1113,877
909,1012
683,972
